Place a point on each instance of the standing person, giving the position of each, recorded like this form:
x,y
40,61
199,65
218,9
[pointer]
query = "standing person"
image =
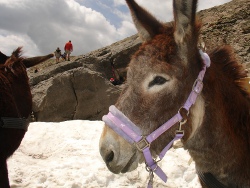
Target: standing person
x,y
68,49
58,54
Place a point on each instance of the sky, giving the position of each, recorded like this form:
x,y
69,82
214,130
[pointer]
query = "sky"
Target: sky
x,y
66,155
40,26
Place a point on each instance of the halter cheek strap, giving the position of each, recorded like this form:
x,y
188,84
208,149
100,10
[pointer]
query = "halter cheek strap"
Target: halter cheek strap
x,y
116,120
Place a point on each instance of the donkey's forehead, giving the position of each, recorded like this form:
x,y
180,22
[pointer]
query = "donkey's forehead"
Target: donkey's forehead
x,y
158,54
162,47
146,63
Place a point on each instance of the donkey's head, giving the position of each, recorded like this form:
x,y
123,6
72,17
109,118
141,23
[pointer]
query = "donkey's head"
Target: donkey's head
x,y
15,90
159,79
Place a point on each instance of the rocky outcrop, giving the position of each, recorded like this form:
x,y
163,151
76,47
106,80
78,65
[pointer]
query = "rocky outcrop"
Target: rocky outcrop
x,y
81,89
228,24
75,94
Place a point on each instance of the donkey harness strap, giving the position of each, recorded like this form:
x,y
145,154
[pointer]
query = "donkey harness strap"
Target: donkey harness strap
x,y
14,123
209,180
116,120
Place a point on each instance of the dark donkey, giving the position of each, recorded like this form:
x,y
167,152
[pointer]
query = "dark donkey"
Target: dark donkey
x,y
15,106
164,87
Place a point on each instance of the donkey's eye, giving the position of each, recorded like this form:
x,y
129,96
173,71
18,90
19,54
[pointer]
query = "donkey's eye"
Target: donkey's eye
x,y
158,80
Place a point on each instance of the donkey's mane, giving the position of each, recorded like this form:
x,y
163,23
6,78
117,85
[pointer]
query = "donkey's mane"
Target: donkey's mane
x,y
17,53
226,60
227,71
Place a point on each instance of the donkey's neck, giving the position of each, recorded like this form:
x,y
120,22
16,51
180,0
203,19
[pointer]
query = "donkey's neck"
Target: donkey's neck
x,y
220,139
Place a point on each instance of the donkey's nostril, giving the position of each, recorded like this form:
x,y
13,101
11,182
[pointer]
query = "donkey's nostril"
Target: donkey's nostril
x,y
109,157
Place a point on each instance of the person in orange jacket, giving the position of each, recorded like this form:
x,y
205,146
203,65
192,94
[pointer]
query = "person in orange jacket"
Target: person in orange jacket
x,y
68,49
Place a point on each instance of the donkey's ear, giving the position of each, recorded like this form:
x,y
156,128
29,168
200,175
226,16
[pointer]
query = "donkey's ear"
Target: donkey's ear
x,y
147,25
184,18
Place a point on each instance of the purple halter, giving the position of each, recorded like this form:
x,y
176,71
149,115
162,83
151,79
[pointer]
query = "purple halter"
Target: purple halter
x,y
116,120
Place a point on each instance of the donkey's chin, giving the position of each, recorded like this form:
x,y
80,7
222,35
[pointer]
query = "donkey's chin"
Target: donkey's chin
x,y
128,166
131,165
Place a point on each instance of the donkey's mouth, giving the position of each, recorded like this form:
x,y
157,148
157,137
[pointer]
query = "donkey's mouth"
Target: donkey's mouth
x,y
129,164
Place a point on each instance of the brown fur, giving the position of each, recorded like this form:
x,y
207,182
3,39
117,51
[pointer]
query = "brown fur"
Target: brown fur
x,y
224,142
221,143
15,102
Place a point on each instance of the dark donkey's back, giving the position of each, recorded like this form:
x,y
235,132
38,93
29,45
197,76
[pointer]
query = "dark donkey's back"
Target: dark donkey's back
x,y
15,106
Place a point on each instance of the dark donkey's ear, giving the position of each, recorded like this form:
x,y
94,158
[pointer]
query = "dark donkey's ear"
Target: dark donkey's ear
x,y
184,19
147,25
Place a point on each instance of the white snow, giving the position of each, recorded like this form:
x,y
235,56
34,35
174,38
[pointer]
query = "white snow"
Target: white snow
x,y
66,155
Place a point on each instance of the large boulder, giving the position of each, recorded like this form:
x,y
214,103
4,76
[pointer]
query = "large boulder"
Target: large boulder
x,y
75,94
81,89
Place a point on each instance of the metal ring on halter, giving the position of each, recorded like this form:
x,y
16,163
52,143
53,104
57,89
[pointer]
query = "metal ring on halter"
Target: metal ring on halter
x,y
157,161
148,168
186,115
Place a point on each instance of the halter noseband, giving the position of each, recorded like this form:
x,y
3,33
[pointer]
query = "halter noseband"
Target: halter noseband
x,y
116,120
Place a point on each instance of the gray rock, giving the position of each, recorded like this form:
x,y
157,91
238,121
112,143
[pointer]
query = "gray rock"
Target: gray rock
x,y
80,89
75,94
228,24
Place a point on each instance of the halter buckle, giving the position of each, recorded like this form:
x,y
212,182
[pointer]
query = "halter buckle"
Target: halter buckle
x,y
142,144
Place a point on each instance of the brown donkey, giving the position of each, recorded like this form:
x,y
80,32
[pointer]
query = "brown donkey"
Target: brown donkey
x,y
160,78
15,106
